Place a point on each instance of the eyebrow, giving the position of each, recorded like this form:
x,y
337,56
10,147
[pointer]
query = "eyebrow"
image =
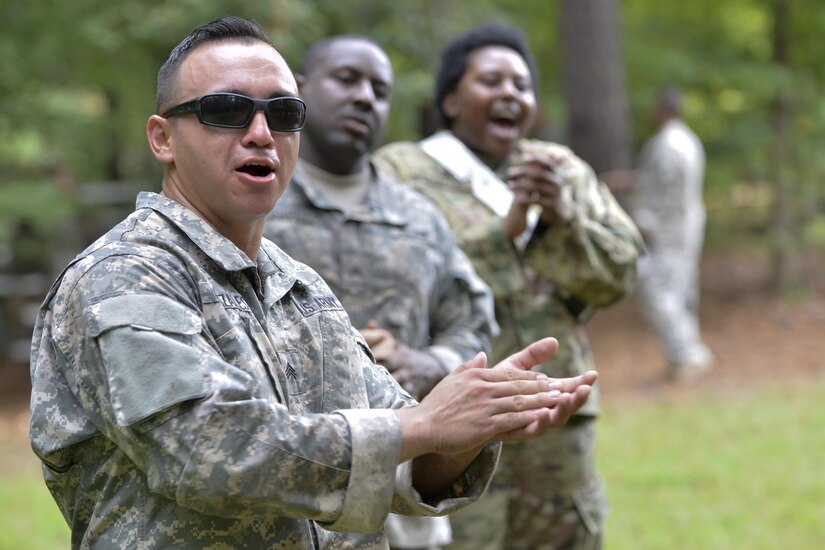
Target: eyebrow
x,y
359,70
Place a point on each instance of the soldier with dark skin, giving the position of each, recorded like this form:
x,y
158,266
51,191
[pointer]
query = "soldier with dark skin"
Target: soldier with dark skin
x,y
552,243
193,386
386,251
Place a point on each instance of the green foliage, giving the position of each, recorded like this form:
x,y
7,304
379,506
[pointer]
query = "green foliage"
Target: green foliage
x,y
815,231
729,471
757,105
27,200
413,33
721,54
78,78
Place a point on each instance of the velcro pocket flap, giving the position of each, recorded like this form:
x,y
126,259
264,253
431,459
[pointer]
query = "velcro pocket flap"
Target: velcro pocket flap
x,y
150,360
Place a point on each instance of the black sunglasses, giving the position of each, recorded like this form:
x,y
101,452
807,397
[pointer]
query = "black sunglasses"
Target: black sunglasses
x,y
283,114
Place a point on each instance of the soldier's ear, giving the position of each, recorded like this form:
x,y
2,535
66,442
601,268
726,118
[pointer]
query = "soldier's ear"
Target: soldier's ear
x,y
450,105
159,134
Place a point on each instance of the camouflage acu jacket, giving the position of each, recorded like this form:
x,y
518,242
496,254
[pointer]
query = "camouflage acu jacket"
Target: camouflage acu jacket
x,y
588,257
666,201
391,260
185,396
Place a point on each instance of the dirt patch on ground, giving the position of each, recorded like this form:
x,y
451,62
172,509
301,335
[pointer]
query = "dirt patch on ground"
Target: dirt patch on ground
x,y
757,339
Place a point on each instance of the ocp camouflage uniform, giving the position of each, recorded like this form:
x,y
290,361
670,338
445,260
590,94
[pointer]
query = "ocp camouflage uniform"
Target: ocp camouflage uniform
x,y
391,260
547,493
185,396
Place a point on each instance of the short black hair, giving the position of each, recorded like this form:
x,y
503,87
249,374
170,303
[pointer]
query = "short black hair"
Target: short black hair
x,y
318,49
670,99
226,28
455,54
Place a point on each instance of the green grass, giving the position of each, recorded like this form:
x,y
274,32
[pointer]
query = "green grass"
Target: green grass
x,y
709,472
705,473
29,518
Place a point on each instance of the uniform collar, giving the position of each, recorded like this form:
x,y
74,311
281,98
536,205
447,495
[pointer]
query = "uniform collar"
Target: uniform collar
x,y
382,204
220,249
278,272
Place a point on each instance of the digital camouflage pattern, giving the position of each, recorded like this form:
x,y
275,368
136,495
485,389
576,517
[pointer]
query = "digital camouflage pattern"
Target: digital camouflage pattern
x,y
667,205
589,255
185,396
391,260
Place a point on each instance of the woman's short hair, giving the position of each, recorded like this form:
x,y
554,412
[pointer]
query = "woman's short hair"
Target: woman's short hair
x,y
455,54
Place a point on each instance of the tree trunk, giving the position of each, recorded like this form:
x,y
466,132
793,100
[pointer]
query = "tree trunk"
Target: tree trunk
x,y
113,153
594,84
783,218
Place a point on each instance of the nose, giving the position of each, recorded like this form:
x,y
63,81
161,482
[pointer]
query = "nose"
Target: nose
x,y
258,132
363,93
509,88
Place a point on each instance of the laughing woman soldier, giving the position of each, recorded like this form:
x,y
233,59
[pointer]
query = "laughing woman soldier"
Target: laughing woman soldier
x,y
552,243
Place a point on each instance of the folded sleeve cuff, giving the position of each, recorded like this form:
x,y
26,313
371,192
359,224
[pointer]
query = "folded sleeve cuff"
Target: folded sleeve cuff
x,y
466,489
376,445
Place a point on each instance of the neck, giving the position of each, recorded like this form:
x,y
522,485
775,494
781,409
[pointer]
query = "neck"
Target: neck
x,y
343,192
245,235
249,240
492,163
336,162
664,121
332,179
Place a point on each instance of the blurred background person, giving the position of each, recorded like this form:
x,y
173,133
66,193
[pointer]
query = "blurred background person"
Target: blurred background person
x,y
552,243
385,250
666,203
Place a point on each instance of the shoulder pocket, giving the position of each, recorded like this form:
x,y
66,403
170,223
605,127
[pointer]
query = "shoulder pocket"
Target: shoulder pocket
x,y
146,347
146,311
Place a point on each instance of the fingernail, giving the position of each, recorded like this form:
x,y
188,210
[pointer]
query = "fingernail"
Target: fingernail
x,y
542,377
553,394
555,385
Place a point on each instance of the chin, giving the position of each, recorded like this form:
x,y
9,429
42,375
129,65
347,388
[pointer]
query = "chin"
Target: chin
x,y
500,152
263,201
356,145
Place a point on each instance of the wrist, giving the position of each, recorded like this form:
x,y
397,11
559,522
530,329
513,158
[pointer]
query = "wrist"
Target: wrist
x,y
512,228
416,435
466,457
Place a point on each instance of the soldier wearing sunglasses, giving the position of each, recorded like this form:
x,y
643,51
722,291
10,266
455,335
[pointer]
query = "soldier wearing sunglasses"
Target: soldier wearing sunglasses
x,y
194,386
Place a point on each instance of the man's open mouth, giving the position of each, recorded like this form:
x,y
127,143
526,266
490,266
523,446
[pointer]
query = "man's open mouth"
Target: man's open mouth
x,y
256,170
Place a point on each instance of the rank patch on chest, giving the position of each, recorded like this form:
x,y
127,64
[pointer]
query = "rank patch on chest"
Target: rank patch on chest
x,y
290,372
317,304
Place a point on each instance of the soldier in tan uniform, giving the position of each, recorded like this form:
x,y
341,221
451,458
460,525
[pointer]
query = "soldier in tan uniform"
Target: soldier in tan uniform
x,y
386,251
552,243
195,387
